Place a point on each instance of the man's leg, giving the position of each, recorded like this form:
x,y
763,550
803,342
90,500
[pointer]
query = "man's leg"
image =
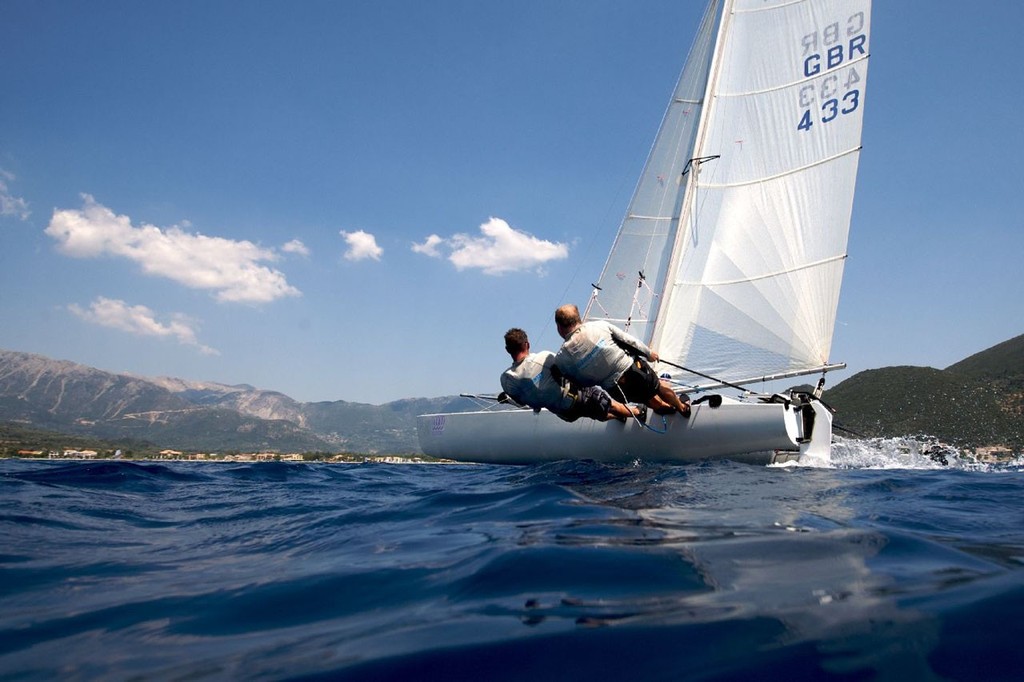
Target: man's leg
x,y
671,398
622,412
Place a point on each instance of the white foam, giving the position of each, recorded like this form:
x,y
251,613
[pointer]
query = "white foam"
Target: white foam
x,y
905,452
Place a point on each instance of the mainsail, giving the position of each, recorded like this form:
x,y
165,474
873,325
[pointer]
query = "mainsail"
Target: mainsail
x,y
730,257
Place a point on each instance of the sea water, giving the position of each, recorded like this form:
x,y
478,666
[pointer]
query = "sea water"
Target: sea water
x,y
885,564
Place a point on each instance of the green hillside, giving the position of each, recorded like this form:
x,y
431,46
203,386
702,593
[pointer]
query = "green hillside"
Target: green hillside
x,y
1002,362
14,437
976,402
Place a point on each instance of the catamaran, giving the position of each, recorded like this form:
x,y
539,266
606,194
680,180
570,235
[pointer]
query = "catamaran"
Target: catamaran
x,y
730,257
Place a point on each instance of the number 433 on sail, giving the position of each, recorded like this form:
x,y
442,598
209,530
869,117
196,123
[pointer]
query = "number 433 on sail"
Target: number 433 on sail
x,y
837,93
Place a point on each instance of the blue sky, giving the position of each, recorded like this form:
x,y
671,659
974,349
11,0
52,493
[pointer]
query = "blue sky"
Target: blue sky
x,y
354,200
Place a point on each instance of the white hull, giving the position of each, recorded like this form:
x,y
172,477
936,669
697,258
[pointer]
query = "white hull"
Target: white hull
x,y
756,433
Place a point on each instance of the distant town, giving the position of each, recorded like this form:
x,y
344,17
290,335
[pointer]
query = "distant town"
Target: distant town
x,y
179,456
992,454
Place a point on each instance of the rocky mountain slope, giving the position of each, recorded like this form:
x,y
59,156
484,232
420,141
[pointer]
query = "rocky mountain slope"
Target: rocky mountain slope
x,y
66,397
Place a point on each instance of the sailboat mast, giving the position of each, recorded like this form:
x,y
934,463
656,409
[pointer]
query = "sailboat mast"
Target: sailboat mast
x,y
691,172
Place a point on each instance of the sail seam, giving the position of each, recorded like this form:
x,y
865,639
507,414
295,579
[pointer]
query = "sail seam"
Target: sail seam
x,y
767,9
794,83
769,275
783,174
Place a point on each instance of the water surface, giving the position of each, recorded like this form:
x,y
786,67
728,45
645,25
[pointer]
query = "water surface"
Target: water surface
x,y
886,565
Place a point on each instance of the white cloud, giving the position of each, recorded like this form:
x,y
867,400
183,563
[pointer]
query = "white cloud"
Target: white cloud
x,y
230,268
296,246
141,321
10,204
429,247
361,245
498,251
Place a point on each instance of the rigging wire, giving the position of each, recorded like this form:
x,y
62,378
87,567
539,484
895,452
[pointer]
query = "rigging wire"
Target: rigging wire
x,y
701,374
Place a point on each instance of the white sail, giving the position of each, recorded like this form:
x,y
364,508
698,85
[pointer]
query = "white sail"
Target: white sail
x,y
744,252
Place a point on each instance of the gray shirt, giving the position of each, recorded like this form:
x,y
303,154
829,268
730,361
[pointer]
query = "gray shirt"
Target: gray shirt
x,y
529,382
594,355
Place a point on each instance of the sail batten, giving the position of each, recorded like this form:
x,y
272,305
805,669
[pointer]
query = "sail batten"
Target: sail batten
x,y
768,275
783,86
653,217
768,8
782,174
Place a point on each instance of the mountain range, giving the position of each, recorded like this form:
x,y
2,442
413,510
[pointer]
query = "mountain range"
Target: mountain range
x,y
977,401
61,396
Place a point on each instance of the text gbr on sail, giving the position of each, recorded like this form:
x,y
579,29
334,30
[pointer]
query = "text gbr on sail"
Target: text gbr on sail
x,y
823,49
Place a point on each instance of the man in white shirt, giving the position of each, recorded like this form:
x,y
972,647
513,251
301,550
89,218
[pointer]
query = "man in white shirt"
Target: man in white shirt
x,y
599,353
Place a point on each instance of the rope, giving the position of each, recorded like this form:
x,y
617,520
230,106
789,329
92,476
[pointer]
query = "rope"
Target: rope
x,y
664,423
625,401
701,374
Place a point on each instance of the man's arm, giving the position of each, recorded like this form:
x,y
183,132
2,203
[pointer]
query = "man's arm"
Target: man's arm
x,y
631,344
510,392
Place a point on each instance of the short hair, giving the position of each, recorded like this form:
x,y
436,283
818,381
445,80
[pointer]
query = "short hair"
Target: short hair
x,y
516,340
567,315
